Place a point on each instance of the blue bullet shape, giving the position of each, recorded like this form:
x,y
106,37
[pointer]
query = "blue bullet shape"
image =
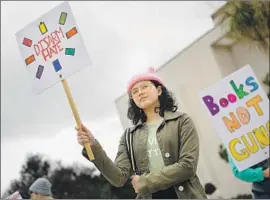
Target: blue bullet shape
x,y
57,65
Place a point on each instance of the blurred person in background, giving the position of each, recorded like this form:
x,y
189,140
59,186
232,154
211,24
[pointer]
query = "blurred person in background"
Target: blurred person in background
x,y
258,175
41,189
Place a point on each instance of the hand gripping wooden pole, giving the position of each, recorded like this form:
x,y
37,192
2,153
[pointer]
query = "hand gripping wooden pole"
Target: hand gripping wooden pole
x,y
76,116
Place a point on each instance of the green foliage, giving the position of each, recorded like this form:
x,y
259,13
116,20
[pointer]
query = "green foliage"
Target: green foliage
x,y
247,20
223,153
71,182
266,81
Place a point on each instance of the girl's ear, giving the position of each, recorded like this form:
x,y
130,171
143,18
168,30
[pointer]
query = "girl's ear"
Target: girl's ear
x,y
159,89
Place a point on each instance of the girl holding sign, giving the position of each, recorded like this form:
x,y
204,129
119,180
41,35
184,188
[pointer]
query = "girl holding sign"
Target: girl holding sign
x,y
159,153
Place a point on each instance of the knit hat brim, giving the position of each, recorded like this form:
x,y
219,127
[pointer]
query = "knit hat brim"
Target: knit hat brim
x,y
149,76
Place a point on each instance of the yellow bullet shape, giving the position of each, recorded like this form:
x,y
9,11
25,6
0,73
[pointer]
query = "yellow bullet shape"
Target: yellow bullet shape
x,y
42,28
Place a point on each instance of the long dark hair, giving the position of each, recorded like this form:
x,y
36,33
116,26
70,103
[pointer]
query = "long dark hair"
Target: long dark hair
x,y
166,101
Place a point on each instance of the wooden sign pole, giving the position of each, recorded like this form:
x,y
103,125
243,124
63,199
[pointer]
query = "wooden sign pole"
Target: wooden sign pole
x,y
76,116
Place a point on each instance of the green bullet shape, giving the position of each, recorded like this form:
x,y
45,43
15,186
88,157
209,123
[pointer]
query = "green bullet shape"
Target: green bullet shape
x,y
63,18
70,51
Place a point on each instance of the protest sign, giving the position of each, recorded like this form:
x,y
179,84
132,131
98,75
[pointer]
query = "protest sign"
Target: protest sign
x,y
53,50
52,46
239,111
15,195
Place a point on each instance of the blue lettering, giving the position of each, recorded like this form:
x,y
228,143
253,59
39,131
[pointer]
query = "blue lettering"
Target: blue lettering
x,y
249,82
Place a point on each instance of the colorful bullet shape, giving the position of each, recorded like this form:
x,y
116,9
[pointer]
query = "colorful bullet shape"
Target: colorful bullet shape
x,y
39,71
57,66
30,59
70,51
42,28
71,32
27,42
62,19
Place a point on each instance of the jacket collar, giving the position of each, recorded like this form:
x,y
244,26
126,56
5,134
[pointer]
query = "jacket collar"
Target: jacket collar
x,y
168,115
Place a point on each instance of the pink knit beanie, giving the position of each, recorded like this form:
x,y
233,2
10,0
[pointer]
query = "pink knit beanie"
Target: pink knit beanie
x,y
148,76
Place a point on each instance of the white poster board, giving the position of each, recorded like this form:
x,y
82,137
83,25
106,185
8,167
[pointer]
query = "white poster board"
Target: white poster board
x,y
239,111
15,195
52,46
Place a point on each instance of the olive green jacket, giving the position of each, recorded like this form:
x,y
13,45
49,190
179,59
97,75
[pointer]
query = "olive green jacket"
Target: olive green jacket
x,y
179,144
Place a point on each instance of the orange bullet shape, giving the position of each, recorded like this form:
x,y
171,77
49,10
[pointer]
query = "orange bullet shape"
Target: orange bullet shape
x,y
71,32
30,59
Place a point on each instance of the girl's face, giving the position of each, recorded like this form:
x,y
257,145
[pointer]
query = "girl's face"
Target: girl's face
x,y
145,94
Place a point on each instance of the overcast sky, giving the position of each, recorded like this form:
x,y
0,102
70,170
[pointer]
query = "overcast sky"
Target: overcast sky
x,y
122,38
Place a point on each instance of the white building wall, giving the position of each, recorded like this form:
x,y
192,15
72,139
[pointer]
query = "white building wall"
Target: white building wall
x,y
195,68
225,60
